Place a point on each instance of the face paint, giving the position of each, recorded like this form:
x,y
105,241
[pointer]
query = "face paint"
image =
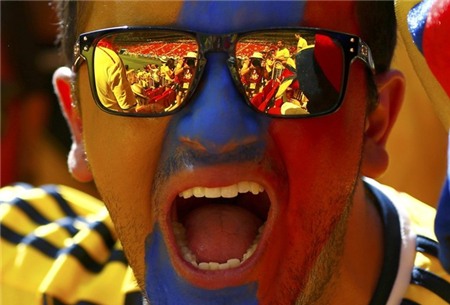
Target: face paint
x,y
219,115
217,128
221,17
164,286
229,108
142,166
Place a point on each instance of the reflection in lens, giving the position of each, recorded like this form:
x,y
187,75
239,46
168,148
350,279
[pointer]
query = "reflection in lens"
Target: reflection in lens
x,y
320,74
290,72
144,72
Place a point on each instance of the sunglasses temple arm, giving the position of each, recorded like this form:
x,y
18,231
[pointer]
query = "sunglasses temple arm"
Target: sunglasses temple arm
x,y
79,58
78,62
365,54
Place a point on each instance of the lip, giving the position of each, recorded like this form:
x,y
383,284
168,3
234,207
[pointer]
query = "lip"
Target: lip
x,y
211,177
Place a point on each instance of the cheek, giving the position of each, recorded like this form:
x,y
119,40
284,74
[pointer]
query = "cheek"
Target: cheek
x,y
322,157
324,154
319,151
123,154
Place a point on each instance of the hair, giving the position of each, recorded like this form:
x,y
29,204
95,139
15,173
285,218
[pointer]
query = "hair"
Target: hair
x,y
72,15
379,30
378,27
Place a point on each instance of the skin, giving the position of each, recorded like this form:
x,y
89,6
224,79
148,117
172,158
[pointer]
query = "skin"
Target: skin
x,y
320,218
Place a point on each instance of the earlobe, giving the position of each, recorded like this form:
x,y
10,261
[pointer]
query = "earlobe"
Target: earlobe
x,y
391,87
77,160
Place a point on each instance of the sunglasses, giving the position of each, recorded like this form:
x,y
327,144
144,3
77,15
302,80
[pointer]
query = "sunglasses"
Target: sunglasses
x,y
153,71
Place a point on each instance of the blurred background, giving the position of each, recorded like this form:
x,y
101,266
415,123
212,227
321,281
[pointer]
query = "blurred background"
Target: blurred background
x,y
34,136
35,139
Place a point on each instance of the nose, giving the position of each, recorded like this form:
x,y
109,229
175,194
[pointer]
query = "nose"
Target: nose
x,y
217,120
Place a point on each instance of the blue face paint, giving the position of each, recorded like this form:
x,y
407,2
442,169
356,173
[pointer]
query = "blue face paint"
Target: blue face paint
x,y
217,114
216,118
220,17
164,286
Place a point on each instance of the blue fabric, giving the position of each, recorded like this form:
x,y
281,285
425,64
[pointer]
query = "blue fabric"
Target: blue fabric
x,y
442,226
417,18
442,222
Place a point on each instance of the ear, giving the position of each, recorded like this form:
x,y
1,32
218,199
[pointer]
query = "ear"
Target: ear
x,y
391,88
76,160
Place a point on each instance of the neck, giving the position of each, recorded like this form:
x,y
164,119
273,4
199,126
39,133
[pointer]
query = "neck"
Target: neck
x,y
360,267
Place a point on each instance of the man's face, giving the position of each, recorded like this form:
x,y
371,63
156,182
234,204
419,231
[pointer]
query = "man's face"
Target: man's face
x,y
297,175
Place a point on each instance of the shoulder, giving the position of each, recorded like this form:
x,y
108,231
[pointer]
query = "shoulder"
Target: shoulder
x,y
421,215
64,242
428,281
106,53
25,208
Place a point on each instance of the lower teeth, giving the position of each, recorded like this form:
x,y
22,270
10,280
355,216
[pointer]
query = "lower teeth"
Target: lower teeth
x,y
180,237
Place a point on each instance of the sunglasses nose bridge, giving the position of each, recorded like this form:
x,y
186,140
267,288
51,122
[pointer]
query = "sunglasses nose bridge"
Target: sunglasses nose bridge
x,y
221,116
216,43
219,44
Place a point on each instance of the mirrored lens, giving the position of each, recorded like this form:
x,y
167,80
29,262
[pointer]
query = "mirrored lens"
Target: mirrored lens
x,y
144,72
291,72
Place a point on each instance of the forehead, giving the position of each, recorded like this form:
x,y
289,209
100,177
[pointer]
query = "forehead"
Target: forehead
x,y
223,16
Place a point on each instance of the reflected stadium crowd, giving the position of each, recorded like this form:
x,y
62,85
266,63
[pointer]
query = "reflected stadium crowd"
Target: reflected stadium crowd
x,y
295,74
286,74
266,69
136,78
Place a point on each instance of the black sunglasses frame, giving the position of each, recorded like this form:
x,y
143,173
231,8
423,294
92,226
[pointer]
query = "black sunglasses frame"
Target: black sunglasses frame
x,y
353,47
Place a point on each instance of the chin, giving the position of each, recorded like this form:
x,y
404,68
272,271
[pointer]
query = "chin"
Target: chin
x,y
215,235
225,236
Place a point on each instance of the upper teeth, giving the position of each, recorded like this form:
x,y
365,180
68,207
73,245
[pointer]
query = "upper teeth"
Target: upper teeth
x,y
226,191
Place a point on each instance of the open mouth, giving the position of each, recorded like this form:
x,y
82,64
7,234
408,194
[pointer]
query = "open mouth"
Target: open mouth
x,y
219,228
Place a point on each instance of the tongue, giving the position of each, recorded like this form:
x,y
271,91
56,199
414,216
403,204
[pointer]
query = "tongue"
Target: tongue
x,y
219,232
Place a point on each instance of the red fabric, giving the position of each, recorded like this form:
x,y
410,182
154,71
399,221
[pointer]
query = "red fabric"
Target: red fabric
x,y
329,57
10,143
105,43
257,99
11,118
436,42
